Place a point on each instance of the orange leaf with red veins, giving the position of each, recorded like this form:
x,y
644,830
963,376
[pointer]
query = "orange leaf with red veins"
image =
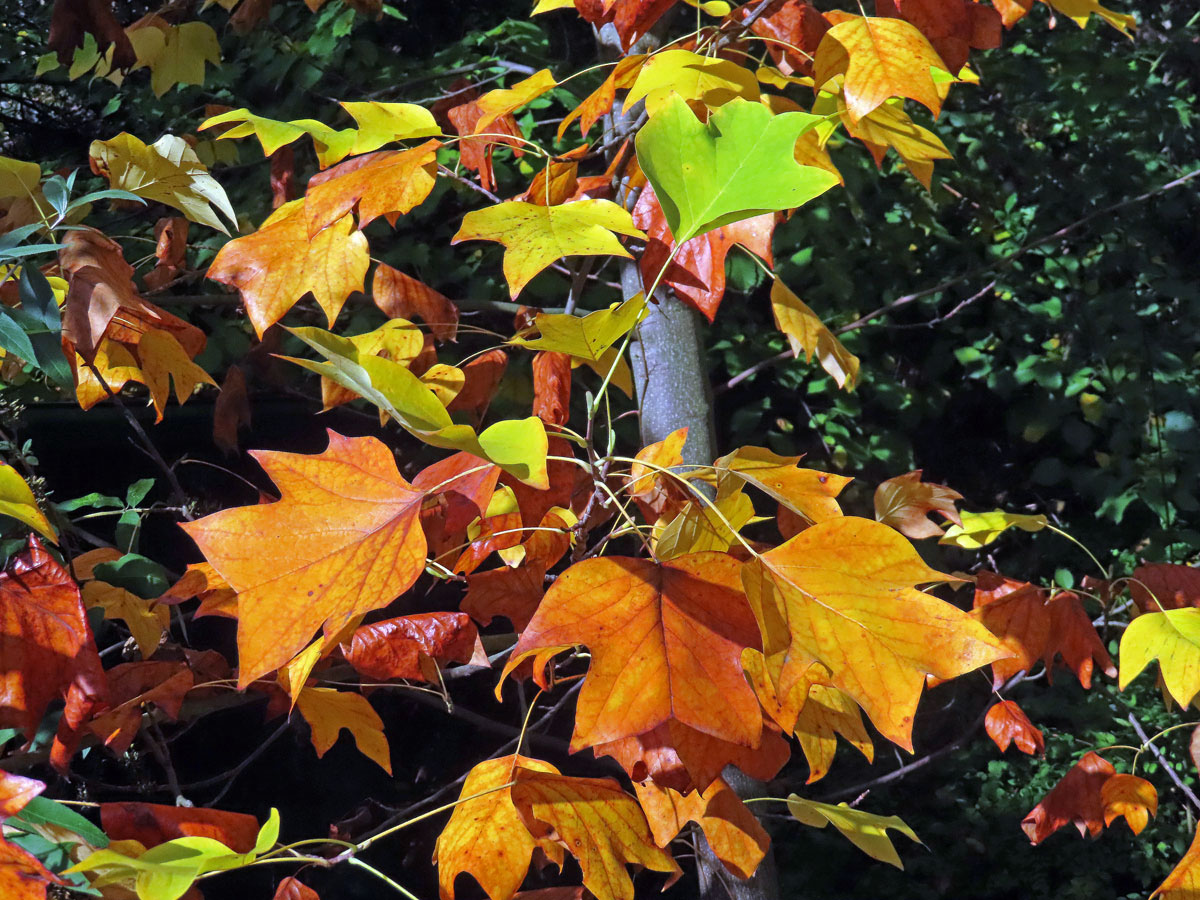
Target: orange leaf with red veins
x,y
697,274
1184,881
1006,724
292,889
344,539
599,824
45,641
842,592
482,374
16,791
552,387
22,877
476,152
796,29
1159,586
386,183
403,297
1129,796
404,647
1077,800
805,491
881,58
1073,637
151,824
130,687
904,502
600,101
734,834
485,836
666,643
684,759
279,264
328,711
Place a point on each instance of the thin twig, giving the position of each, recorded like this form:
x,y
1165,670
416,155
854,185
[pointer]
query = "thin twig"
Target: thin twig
x,y
1166,764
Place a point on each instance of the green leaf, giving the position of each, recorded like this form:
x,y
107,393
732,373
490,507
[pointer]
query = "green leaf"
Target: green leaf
x,y
136,574
519,447
41,811
864,830
739,165
585,337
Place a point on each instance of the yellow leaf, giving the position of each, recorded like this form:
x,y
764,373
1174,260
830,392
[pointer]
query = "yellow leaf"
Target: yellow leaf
x,y
808,492
979,529
881,58
586,338
17,500
1173,638
116,366
535,236
1079,11
503,101
868,832
890,126
805,332
328,711
485,837
175,54
145,619
699,527
842,593
383,123
18,179
1129,796
167,171
543,6
707,79
162,357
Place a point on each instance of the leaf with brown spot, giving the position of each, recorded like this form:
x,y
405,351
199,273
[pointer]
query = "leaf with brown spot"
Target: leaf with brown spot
x,y
485,836
411,646
904,502
344,539
401,296
666,642
1076,799
734,834
598,823
1159,586
151,824
804,491
276,266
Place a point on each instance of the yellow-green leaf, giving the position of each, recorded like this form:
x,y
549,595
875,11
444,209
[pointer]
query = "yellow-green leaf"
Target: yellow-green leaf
x,y
711,80
587,337
1173,638
16,500
866,831
979,529
535,236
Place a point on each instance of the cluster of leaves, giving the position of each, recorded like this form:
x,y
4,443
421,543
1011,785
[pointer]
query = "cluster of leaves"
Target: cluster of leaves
x,y
701,632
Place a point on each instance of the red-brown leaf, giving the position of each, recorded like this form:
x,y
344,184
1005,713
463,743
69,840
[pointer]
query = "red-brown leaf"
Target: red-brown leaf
x,y
1075,800
72,19
401,296
293,889
405,647
1159,586
231,412
1006,724
796,28
152,824
483,375
552,387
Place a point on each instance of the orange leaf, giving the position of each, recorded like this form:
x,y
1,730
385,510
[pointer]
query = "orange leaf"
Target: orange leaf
x,y
881,58
279,264
162,357
658,494
805,491
1076,799
828,712
666,642
842,592
904,501
1131,797
458,490
1015,612
485,837
733,833
602,826
953,27
684,759
1073,637
344,539
600,101
45,641
402,297
16,791
133,685
151,824
403,647
476,152
1006,723
552,387
483,374
796,29
1184,881
22,877
293,889
328,711
385,183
